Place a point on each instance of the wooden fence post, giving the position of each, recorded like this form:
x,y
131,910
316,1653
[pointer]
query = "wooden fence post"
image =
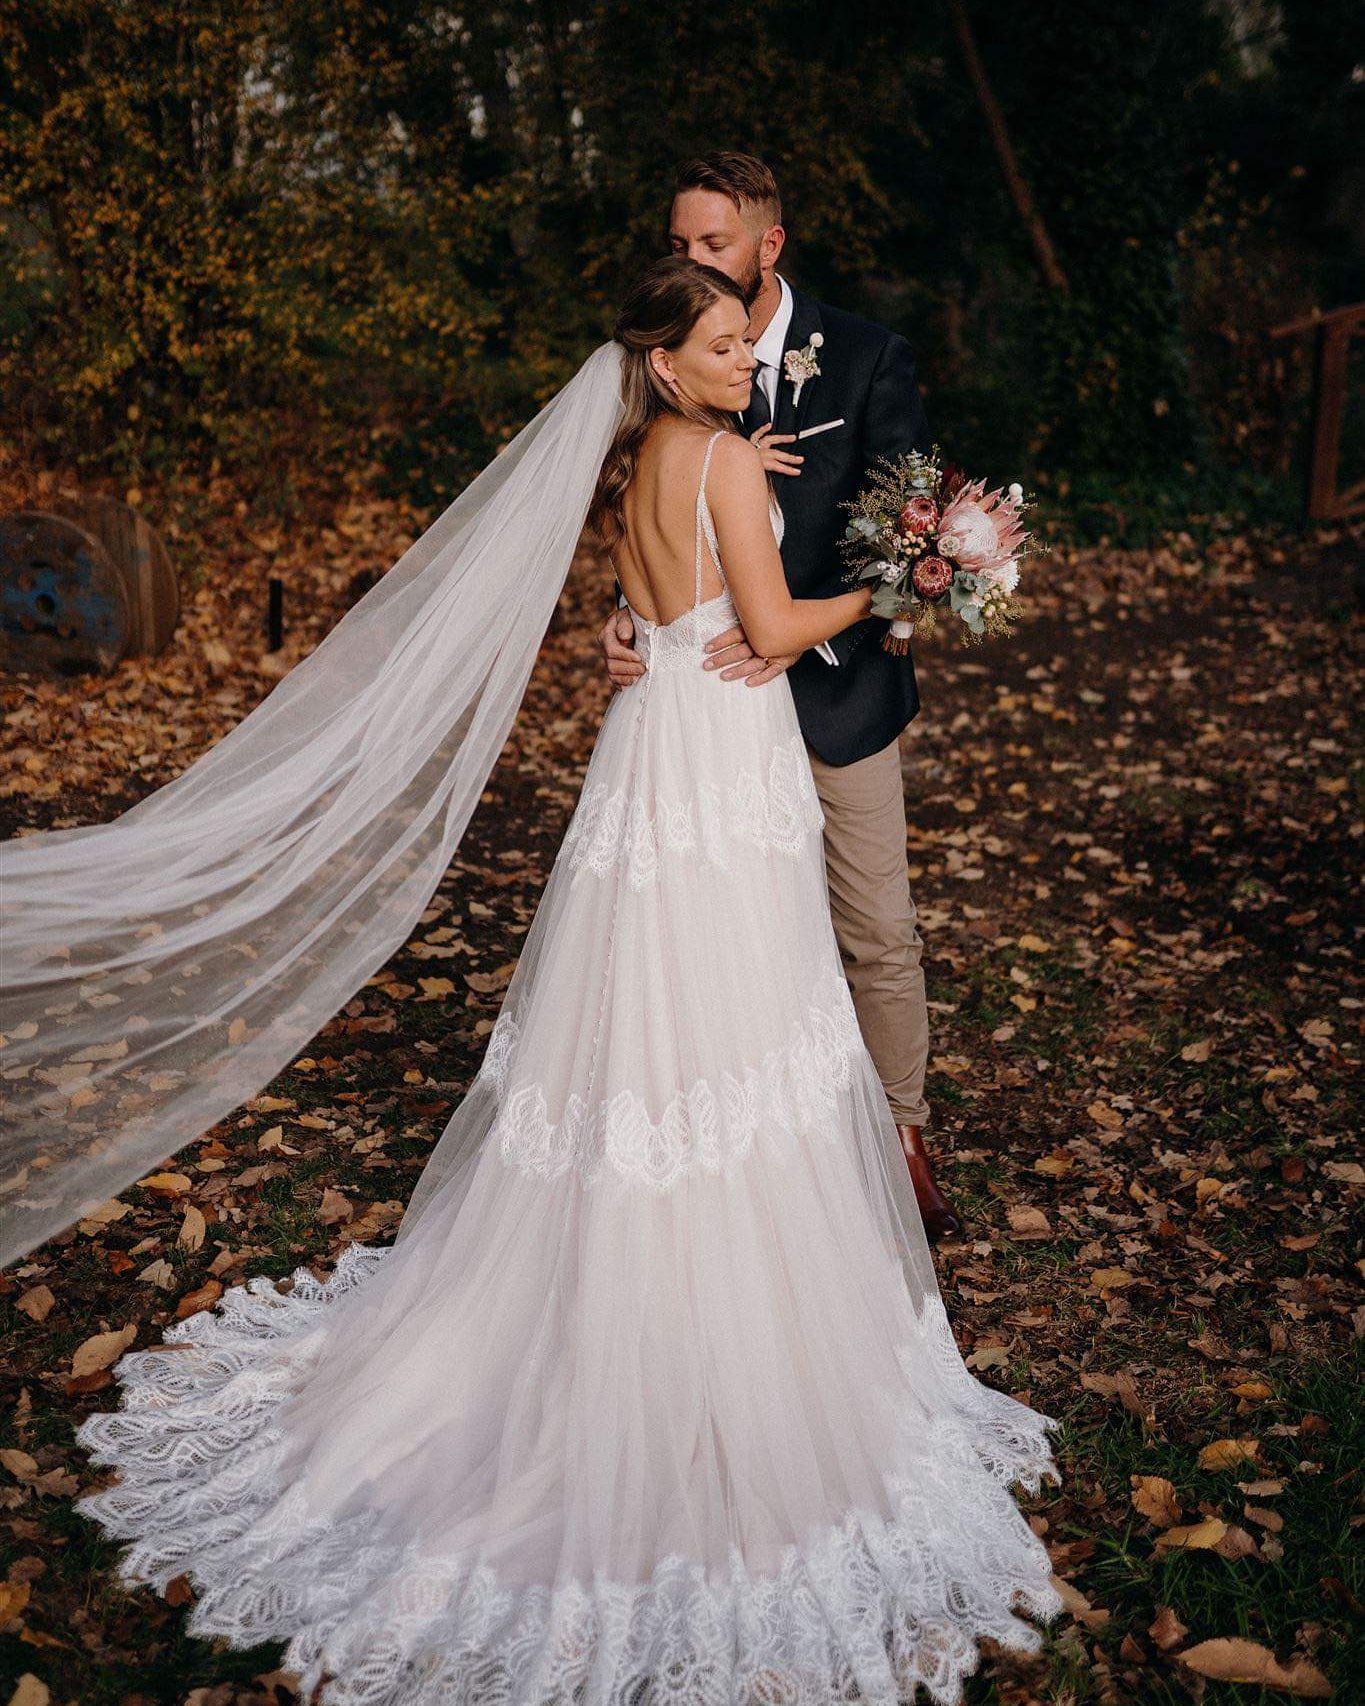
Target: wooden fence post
x,y
1333,332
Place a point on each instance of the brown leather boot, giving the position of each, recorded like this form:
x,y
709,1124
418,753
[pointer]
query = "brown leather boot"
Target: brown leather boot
x,y
940,1219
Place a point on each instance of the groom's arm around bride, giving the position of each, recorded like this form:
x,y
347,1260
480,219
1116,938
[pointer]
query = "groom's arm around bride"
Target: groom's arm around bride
x,y
832,394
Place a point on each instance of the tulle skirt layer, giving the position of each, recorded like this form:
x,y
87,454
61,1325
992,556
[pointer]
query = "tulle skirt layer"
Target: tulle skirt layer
x,y
655,1399
695,1442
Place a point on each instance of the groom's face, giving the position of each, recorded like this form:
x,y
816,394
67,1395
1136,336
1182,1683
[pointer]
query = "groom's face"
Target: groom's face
x,y
707,227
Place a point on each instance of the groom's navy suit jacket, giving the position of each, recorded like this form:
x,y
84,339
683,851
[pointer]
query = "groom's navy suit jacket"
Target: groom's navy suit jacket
x,y
867,376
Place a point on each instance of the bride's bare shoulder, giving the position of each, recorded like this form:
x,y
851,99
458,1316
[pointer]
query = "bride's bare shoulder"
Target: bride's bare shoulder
x,y
672,452
673,434
736,465
735,451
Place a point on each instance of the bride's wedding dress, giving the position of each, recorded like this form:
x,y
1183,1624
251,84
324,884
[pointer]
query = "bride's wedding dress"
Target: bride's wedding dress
x,y
654,1399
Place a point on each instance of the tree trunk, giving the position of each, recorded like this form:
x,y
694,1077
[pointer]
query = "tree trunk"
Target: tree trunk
x,y
1020,193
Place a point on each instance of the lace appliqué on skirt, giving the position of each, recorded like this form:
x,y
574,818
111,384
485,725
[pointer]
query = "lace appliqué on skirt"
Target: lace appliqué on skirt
x,y
705,1128
621,829
865,1610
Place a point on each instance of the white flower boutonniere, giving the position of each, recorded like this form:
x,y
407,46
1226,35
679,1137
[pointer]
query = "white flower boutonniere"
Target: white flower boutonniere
x,y
799,365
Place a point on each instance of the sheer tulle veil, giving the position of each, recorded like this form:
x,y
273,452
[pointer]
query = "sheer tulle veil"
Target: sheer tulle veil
x,y
157,971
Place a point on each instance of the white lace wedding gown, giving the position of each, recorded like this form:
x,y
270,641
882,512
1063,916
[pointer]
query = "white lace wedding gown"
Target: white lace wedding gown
x,y
654,1400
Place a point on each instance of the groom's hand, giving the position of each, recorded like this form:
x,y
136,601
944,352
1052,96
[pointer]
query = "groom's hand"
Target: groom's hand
x,y
737,660
774,460
624,664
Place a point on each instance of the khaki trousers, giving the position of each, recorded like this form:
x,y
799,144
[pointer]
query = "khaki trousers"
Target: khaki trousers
x,y
875,920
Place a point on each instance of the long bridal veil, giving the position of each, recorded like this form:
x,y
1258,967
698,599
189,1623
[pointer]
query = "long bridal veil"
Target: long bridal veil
x,y
158,970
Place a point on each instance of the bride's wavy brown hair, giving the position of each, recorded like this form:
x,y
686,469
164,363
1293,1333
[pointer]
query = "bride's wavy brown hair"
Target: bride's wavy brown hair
x,y
659,312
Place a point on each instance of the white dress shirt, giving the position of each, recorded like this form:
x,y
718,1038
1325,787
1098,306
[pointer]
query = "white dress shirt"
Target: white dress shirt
x,y
768,352
768,348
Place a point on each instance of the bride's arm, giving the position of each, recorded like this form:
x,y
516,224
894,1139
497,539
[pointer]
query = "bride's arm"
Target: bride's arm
x,y
776,623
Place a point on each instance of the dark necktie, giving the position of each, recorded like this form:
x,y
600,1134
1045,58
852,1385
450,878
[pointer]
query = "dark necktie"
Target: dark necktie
x,y
758,413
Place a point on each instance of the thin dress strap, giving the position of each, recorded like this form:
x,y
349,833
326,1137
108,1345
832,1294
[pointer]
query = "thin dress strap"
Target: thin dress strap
x,y
704,523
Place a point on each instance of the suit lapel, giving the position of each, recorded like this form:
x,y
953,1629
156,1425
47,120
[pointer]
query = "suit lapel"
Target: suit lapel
x,y
789,416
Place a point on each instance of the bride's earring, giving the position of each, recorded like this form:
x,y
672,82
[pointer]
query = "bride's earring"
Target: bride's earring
x,y
668,380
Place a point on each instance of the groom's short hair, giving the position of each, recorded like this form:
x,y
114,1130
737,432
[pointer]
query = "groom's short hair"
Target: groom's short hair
x,y
742,178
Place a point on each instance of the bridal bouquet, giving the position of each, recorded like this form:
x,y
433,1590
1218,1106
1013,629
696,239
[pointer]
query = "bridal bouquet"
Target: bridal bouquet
x,y
927,536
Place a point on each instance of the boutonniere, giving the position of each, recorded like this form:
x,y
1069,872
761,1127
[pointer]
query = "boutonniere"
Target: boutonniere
x,y
799,365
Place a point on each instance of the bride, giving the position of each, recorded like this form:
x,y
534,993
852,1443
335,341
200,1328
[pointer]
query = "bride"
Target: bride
x,y
654,1398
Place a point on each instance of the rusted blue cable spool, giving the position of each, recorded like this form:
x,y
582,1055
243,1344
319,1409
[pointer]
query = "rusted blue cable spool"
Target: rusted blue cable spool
x,y
82,584
138,553
65,608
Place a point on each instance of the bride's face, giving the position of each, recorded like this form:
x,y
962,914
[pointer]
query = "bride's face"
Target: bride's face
x,y
714,367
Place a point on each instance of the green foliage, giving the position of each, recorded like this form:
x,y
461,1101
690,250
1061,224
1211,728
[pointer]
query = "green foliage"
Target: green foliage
x,y
1096,506
213,220
1240,270
275,231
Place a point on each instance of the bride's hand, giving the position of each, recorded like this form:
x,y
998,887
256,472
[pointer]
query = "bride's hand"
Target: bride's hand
x,y
625,666
737,660
774,460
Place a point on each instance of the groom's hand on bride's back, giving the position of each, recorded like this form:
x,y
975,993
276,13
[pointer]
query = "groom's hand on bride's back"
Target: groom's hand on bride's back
x,y
737,660
624,664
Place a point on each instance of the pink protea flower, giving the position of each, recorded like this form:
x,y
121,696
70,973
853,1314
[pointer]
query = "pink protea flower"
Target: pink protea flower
x,y
918,516
932,577
981,530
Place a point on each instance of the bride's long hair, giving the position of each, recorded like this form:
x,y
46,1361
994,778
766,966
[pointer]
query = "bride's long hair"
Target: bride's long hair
x,y
659,312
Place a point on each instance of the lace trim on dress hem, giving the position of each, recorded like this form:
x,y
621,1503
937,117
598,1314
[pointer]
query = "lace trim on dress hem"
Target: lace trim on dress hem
x,y
866,1610
706,1128
618,829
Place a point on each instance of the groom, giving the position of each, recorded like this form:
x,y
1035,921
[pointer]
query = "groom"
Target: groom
x,y
852,698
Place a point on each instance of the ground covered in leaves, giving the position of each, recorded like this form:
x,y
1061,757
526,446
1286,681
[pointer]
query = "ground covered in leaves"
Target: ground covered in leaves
x,y
1135,836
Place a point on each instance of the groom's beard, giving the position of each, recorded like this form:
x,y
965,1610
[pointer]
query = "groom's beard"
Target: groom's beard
x,y
750,280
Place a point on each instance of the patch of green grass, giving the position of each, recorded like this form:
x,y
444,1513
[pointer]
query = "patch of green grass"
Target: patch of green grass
x,y
1164,801
1267,1600
154,1658
1040,1263
939,1088
290,1217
